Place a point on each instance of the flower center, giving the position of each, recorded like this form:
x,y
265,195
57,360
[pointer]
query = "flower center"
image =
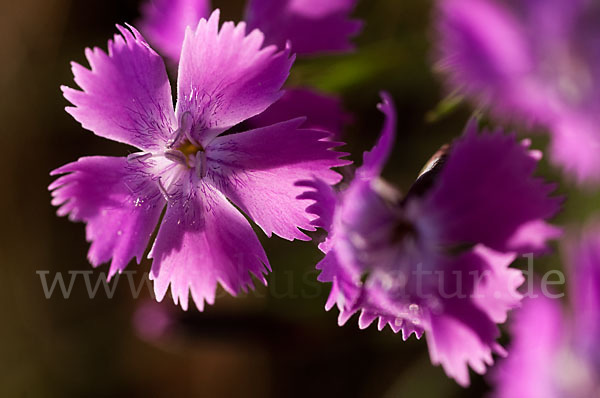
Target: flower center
x,y
184,149
187,148
190,155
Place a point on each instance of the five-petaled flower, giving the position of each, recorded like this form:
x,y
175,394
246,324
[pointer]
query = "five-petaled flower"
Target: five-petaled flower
x,y
186,163
437,259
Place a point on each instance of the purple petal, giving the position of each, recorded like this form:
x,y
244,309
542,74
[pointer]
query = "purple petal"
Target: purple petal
x,y
373,164
202,242
345,267
258,170
554,353
344,289
553,18
350,297
374,160
312,26
486,193
463,331
537,335
575,145
117,200
325,201
164,23
126,95
455,344
584,261
496,292
484,51
322,111
226,77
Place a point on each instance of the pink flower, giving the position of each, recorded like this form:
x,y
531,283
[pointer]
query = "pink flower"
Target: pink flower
x,y
187,167
436,260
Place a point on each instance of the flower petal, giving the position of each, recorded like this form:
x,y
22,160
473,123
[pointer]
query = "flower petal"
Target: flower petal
x,y
584,268
575,145
483,51
312,26
117,200
345,266
463,331
486,193
350,297
226,77
164,23
455,345
322,111
375,159
258,170
496,291
537,334
126,95
201,242
325,200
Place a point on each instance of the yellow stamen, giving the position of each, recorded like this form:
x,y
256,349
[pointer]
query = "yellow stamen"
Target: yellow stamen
x,y
187,148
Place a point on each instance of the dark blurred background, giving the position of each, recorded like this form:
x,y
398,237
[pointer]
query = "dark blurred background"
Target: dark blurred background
x,y
276,342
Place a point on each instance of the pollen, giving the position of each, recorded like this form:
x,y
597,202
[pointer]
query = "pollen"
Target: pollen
x,y
187,148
